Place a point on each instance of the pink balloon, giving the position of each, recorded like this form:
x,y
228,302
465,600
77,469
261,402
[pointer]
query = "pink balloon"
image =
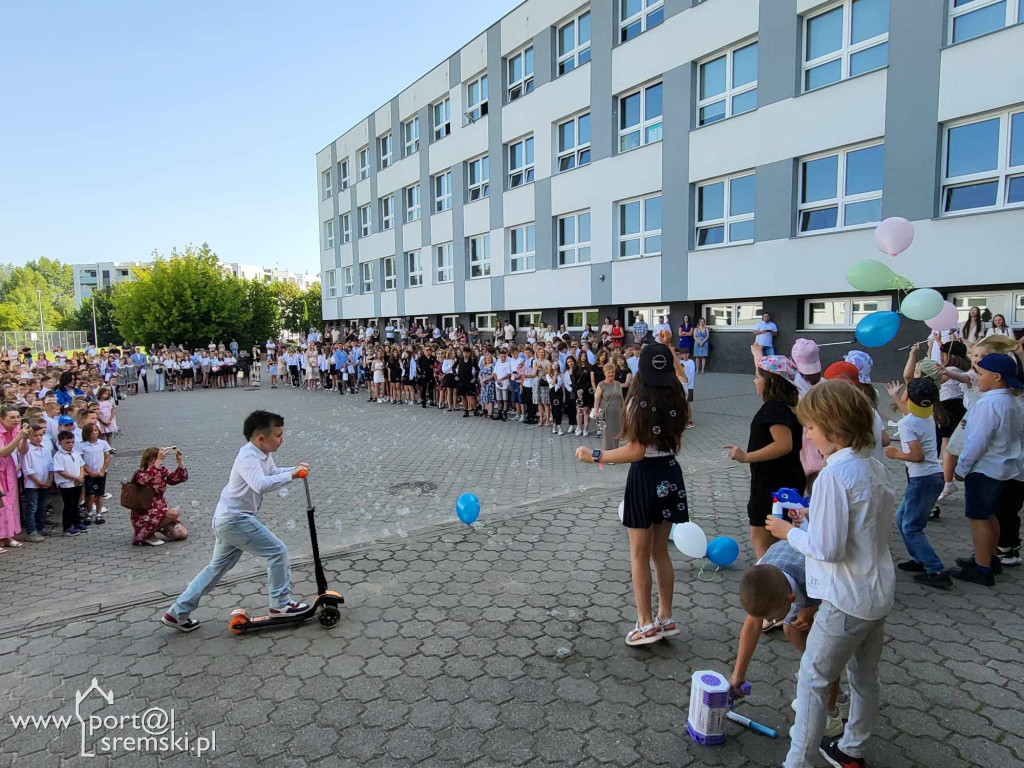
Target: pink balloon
x,y
894,235
948,318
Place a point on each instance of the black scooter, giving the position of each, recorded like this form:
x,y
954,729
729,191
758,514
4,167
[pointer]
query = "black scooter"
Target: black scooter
x,y
326,602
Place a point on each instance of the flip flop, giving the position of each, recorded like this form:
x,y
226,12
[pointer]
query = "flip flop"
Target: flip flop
x,y
667,627
645,634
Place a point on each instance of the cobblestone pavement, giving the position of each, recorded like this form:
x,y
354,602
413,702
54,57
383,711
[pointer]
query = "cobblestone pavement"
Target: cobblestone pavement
x,y
493,645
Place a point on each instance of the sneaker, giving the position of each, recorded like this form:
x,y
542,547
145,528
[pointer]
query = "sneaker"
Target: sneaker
x,y
833,725
948,490
767,625
598,433
911,566
940,580
560,433
554,430
100,520
585,433
72,531
87,520
1008,556
82,529
34,538
971,573
830,750
290,609
934,514
108,495
184,625
689,425
996,564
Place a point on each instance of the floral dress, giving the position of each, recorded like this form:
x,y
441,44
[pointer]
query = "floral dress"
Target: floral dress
x,y
487,388
147,521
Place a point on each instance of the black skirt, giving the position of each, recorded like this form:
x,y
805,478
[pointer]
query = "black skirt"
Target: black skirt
x,y
655,493
448,381
955,410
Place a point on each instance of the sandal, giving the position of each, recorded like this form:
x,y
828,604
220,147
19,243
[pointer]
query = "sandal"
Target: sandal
x,y
667,627
153,543
14,543
649,633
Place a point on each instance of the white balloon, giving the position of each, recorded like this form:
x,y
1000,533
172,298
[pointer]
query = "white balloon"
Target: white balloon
x,y
622,511
690,540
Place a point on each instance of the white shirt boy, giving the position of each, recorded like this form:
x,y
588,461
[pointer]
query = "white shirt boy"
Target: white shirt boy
x,y
71,463
93,454
253,475
36,462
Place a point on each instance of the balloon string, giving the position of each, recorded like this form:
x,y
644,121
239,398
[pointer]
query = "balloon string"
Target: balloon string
x,y
836,343
700,574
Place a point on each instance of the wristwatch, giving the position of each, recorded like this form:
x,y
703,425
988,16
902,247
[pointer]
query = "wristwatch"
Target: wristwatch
x,y
596,455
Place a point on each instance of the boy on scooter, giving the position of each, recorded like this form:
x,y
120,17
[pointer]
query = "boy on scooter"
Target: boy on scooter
x,y
237,528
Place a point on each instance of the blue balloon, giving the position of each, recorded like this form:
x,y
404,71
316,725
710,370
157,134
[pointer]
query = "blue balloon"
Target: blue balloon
x,y
723,550
878,328
468,508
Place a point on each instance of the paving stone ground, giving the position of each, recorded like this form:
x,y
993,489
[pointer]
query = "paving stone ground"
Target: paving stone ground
x,y
495,645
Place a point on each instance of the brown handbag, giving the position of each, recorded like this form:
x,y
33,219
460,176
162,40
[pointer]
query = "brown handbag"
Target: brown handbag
x,y
135,496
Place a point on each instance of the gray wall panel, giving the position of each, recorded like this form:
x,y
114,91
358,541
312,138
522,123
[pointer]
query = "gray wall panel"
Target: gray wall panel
x,y
496,85
454,71
459,254
399,147
600,282
545,239
602,121
544,57
778,51
774,200
675,194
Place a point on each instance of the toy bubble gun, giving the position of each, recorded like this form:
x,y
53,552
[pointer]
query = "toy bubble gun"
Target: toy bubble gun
x,y
711,700
788,498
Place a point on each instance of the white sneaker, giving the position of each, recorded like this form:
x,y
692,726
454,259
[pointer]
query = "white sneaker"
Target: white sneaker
x,y
947,490
553,430
559,431
585,433
578,432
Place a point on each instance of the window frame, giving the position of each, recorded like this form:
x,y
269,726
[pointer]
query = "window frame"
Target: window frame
x,y
346,227
413,212
842,199
414,268
484,327
1012,297
731,91
734,308
328,233
727,218
364,267
343,174
579,153
645,123
528,257
647,9
578,51
449,322
442,183
1002,174
535,319
365,227
326,188
527,171
845,51
331,283
443,128
387,213
364,168
411,143
643,234
1013,14
651,311
578,244
391,280
479,266
525,83
483,187
595,311
884,305
478,109
444,268
348,281
385,142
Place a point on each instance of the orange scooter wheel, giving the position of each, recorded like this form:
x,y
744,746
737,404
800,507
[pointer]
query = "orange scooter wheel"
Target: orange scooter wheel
x,y
239,618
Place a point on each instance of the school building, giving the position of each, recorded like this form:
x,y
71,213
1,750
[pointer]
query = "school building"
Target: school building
x,y
713,158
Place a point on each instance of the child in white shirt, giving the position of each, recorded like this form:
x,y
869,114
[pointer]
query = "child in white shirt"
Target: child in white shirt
x,y
96,459
69,474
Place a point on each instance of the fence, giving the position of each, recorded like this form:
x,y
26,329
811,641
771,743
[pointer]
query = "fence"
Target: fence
x,y
44,342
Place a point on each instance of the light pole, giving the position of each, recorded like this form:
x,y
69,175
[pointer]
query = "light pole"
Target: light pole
x,y
42,332
95,336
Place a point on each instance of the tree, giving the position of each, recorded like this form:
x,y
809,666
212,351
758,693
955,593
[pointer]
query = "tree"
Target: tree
x,y
300,310
263,316
82,318
21,302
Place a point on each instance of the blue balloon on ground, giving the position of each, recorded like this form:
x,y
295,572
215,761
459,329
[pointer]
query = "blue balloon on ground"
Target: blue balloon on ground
x,y
878,328
723,551
468,508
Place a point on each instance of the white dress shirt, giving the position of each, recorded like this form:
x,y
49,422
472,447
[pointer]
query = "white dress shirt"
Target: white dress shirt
x,y
847,538
66,462
37,462
994,437
253,475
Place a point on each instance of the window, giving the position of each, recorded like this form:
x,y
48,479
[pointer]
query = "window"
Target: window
x,y
486,322
385,147
637,16
728,85
480,256
365,227
574,239
448,322
522,246
520,163
348,274
343,178
387,213
640,118
848,39
520,74
478,174
364,163
332,288
366,270
651,315
1018,311
983,164
346,228
732,315
328,234
841,190
411,136
1005,304
725,211
443,191
971,18
476,99
577,319
842,313
414,268
325,184
574,143
412,203
390,276
443,254
640,227
574,43
442,117
525,319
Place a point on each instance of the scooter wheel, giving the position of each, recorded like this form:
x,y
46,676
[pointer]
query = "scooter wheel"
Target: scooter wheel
x,y
329,616
239,619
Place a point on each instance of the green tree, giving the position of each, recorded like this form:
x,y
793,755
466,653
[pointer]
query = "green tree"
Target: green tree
x,y
263,314
82,318
22,302
300,310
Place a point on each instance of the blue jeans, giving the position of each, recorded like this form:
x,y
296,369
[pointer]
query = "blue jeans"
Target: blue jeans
x,y
912,517
237,534
33,515
767,350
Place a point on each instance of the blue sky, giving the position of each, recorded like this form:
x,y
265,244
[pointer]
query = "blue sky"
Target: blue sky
x,y
130,126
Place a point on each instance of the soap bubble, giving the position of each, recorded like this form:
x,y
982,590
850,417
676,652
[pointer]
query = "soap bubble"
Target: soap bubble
x,y
283,492
552,614
195,504
643,403
672,414
290,525
563,653
656,429
583,488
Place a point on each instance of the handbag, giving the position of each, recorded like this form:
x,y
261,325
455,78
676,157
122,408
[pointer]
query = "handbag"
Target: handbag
x,y
135,496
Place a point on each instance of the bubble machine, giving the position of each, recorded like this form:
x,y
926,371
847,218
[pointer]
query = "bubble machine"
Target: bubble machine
x,y
710,704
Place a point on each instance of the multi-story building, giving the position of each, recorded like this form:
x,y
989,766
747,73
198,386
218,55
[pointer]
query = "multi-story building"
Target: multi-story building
x,y
715,158
301,280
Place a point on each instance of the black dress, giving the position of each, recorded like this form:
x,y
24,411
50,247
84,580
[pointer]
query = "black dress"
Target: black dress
x,y
465,377
655,492
766,477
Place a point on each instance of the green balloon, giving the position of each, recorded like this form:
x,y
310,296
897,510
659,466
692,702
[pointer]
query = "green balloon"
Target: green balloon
x,y
870,275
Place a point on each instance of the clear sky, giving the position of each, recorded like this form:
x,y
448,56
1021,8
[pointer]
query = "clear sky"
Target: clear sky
x,y
129,126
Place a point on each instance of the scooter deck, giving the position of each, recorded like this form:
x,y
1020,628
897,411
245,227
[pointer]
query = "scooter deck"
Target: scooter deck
x,y
241,622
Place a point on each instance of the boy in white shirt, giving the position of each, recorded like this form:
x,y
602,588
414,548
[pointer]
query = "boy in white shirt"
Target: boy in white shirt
x,y
37,473
69,474
96,458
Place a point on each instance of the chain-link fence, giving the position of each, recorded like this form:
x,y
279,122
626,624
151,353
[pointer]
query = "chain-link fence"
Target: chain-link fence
x,y
45,341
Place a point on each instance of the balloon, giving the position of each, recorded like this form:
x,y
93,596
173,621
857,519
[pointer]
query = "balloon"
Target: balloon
x,y
870,275
894,235
468,508
723,551
878,328
922,304
622,511
900,283
690,540
946,319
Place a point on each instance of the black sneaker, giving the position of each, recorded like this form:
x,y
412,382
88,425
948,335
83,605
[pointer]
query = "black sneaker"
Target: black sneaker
x,y
934,514
996,564
830,750
184,625
940,580
1009,556
911,566
970,572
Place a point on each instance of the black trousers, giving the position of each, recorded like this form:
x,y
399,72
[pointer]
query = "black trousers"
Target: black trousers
x,y
1008,506
426,389
528,405
556,408
142,378
294,371
70,497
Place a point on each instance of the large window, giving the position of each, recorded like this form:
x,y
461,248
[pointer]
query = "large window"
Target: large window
x,y
332,283
574,43
971,18
842,313
732,315
520,74
346,227
386,146
349,283
364,163
442,192
640,117
725,211
390,275
640,227
983,163
577,319
343,177
476,98
442,118
325,184
525,319
728,85
366,272
413,204
411,136
1009,304
478,176
651,315
522,246
846,40
520,162
328,234
444,263
365,221
387,213
637,16
573,231
842,189
574,143
479,256
414,268
448,322
487,322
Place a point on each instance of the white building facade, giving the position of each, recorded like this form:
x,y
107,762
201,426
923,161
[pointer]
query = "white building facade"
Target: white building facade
x,y
713,158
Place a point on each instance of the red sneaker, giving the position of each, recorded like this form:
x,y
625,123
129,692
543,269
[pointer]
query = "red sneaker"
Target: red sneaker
x,y
830,750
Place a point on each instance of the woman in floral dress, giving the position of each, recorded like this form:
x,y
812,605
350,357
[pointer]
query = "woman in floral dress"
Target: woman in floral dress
x,y
487,388
158,517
